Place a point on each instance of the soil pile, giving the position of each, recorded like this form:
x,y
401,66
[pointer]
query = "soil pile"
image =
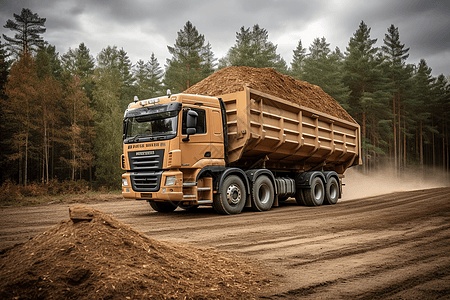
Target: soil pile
x,y
267,80
94,256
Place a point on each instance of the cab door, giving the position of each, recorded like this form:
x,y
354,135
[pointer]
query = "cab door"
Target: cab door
x,y
197,146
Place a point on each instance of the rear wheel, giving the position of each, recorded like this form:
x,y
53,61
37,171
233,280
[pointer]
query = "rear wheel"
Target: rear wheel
x,y
262,194
316,194
332,191
163,207
231,200
299,197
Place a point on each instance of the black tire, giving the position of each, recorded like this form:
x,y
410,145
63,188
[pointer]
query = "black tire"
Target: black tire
x,y
231,200
299,198
316,194
332,191
188,207
262,194
164,207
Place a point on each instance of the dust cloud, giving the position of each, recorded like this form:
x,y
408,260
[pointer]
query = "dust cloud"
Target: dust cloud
x,y
359,185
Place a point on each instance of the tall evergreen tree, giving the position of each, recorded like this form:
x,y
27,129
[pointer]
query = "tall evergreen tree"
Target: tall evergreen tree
x,y
440,119
367,102
323,68
141,80
209,65
147,78
127,90
5,164
419,106
186,67
79,131
49,97
108,117
29,27
298,61
48,63
396,55
22,118
155,75
78,65
253,49
79,62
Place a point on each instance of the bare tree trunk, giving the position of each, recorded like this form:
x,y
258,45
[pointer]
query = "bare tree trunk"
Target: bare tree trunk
x,y
365,150
421,145
26,160
399,136
404,142
20,166
395,133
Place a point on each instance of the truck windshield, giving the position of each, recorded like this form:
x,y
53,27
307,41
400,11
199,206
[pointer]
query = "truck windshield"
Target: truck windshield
x,y
159,126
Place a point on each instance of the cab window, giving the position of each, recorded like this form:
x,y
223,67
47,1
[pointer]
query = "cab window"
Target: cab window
x,y
201,120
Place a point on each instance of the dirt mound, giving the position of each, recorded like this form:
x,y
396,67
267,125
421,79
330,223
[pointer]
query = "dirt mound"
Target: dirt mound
x,y
267,80
94,256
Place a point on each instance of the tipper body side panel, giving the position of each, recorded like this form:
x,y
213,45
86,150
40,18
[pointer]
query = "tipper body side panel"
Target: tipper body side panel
x,y
287,136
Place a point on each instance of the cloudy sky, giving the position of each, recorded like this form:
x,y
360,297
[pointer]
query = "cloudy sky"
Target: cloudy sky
x,y
141,27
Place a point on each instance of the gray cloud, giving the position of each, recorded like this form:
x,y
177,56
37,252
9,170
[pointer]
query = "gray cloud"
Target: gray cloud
x,y
142,27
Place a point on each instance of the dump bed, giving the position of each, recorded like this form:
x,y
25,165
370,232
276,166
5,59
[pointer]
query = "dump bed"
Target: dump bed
x,y
264,130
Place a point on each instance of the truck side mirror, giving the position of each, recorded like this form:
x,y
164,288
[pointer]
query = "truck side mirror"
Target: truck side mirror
x,y
191,124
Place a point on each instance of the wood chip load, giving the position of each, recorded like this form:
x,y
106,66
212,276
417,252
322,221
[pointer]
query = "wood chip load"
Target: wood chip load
x,y
267,80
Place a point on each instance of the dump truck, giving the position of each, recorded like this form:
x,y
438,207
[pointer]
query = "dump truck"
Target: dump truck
x,y
243,149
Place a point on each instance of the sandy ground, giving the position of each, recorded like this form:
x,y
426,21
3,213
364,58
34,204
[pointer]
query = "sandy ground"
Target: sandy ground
x,y
393,246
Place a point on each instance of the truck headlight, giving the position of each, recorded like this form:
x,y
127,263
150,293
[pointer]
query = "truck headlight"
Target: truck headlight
x,y
124,182
170,180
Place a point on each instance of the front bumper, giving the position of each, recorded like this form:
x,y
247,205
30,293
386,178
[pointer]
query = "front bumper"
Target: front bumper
x,y
162,193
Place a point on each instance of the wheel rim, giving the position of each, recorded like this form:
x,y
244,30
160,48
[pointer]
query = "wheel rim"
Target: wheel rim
x,y
233,194
318,192
264,193
333,191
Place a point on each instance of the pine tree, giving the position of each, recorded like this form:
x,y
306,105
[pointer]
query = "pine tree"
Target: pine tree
x,y
209,65
49,96
21,114
155,74
323,68
298,61
127,91
141,80
147,78
363,74
29,27
79,131
78,62
439,115
78,65
396,55
253,49
419,106
186,67
108,117
5,65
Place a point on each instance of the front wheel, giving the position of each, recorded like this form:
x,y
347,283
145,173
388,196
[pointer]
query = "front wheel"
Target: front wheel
x,y
164,207
262,194
231,200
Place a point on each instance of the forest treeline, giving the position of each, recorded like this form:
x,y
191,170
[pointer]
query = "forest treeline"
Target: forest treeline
x,y
62,113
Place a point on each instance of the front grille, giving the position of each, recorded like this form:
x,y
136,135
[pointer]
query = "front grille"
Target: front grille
x,y
148,160
146,181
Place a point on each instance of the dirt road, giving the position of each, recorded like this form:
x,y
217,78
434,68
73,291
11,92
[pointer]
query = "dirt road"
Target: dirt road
x,y
394,246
